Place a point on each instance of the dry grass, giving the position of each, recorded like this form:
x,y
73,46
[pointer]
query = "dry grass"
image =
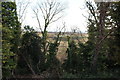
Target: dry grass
x,y
62,55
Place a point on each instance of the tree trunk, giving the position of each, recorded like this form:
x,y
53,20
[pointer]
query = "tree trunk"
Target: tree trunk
x,y
100,36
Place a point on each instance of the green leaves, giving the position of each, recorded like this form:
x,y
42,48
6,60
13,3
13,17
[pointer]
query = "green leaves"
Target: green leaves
x,y
10,37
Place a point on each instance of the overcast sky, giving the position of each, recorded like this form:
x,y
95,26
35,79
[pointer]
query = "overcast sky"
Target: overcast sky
x,y
73,16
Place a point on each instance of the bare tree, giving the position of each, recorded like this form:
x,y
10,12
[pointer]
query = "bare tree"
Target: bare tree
x,y
51,12
22,6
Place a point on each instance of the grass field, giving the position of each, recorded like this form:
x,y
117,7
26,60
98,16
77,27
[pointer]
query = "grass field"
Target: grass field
x,y
62,55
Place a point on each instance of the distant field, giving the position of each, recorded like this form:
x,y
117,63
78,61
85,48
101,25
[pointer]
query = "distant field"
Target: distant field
x,y
64,44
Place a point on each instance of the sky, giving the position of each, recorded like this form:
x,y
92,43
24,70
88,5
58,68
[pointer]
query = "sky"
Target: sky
x,y
72,16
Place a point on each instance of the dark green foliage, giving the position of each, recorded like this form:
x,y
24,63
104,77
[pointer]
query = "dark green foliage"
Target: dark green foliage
x,y
113,62
78,59
107,63
53,65
108,59
10,37
52,61
71,64
30,52
10,21
32,59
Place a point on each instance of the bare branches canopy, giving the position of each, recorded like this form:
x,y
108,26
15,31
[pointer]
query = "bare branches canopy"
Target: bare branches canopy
x,y
50,11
